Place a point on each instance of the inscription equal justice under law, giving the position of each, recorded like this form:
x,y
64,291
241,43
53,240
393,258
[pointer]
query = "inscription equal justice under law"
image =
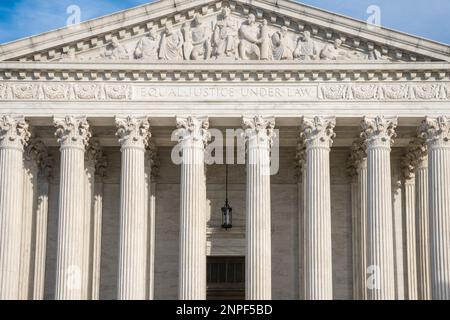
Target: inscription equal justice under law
x,y
225,93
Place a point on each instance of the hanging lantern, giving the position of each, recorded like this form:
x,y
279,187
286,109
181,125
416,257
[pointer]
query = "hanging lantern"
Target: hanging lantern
x,y
227,211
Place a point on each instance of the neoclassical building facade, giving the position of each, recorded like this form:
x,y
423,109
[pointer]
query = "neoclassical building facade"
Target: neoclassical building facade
x,y
109,188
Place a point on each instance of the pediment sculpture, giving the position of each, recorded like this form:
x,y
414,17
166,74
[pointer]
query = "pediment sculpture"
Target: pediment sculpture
x,y
228,38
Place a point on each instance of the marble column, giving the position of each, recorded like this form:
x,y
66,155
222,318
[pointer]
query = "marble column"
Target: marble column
x,y
318,134
14,135
437,133
193,136
422,227
30,174
89,176
358,167
410,233
410,165
133,134
97,220
152,171
40,251
259,134
378,133
93,155
73,136
301,196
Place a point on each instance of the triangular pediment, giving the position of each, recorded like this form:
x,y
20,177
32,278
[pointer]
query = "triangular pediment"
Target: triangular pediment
x,y
177,30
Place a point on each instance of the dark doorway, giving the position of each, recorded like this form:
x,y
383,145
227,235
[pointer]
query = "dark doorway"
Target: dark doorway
x,y
226,278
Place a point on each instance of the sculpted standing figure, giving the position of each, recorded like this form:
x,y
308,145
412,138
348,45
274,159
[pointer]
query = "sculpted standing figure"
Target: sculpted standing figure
x,y
147,47
250,40
187,44
201,37
306,48
225,36
265,41
283,45
171,45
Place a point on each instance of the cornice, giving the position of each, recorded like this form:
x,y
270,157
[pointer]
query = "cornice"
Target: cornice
x,y
227,71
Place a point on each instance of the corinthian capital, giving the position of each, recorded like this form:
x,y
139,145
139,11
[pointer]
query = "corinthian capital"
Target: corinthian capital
x,y
357,157
153,160
415,155
94,153
262,128
14,132
133,132
436,131
317,131
300,157
72,131
193,129
379,131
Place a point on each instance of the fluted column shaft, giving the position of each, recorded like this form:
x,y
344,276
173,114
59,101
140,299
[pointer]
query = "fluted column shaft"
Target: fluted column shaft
x,y
89,183
133,136
361,242
317,134
258,272
152,171
13,136
97,238
193,135
422,225
355,237
410,231
437,133
97,220
151,240
41,218
378,133
28,219
358,171
41,241
73,136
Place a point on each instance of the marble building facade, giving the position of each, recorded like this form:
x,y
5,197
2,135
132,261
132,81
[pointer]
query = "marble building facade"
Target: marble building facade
x,y
93,206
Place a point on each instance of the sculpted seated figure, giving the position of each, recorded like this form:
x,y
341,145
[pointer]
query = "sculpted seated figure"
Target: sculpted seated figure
x,y
283,45
250,40
115,51
375,54
335,52
225,36
306,48
147,47
171,45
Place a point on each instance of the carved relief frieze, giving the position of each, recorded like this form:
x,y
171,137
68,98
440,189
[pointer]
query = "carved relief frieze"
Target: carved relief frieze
x,y
256,92
385,92
64,92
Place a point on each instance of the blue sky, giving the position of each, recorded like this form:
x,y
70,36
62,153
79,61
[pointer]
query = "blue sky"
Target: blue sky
x,y
426,18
